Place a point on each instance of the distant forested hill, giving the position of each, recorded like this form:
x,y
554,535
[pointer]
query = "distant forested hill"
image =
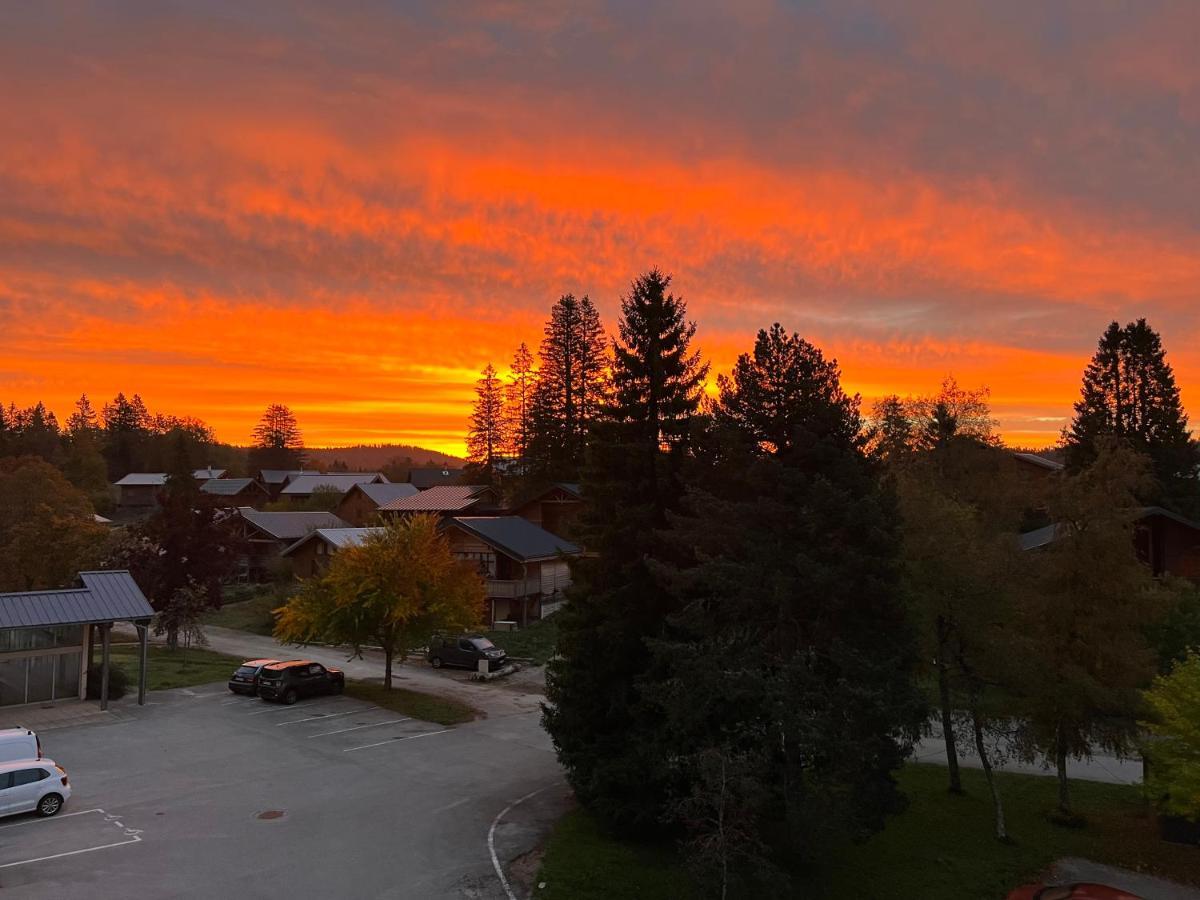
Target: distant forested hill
x,y
374,457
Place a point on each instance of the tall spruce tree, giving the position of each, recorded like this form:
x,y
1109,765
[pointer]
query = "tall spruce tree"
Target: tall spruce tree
x,y
278,443
608,734
486,436
570,387
1129,392
790,651
518,405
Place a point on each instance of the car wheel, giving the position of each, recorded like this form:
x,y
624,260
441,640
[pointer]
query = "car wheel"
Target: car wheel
x,y
435,661
49,805
289,697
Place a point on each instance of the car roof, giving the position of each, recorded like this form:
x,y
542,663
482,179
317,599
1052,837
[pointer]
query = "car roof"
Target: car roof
x,y
26,764
287,664
259,662
13,732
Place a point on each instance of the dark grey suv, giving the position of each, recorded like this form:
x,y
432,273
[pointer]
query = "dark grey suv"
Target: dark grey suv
x,y
464,650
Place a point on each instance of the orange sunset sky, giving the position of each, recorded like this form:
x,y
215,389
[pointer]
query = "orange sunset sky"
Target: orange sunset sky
x,y
353,209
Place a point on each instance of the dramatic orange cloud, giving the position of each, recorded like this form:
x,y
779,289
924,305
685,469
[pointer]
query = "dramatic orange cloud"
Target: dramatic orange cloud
x,y
353,213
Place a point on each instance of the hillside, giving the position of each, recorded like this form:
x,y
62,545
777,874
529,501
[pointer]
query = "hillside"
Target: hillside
x,y
373,457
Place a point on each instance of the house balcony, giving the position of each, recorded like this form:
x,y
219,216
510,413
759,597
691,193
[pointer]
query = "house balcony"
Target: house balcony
x,y
512,588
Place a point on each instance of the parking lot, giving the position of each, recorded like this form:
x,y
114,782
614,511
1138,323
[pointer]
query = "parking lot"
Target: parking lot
x,y
203,793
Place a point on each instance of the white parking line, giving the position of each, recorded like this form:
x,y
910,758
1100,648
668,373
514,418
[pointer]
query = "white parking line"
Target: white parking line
x,y
133,834
283,707
321,716
396,740
491,841
357,727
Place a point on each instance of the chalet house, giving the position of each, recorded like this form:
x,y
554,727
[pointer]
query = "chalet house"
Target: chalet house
x,y
1168,543
554,508
274,480
524,566
310,554
268,534
140,489
209,473
360,505
443,500
233,492
424,479
301,487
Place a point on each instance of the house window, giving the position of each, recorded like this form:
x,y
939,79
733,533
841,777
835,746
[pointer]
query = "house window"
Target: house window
x,y
485,562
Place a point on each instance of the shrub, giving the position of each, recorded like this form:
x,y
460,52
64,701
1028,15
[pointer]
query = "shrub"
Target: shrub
x,y
1172,747
118,681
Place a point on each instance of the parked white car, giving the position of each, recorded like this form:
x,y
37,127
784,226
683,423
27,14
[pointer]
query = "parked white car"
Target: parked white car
x,y
33,785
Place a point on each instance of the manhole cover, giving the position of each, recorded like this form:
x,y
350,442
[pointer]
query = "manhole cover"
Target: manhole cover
x,y
271,814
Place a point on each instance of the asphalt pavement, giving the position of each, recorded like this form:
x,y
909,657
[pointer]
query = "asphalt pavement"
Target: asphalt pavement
x,y
205,794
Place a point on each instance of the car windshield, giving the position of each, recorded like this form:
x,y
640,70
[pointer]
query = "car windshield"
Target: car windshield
x,y
482,644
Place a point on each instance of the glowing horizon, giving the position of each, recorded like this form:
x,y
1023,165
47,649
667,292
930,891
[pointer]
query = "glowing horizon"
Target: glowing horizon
x,y
354,212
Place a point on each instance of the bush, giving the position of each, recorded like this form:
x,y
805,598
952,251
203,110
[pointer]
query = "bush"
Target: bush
x,y
118,681
1172,747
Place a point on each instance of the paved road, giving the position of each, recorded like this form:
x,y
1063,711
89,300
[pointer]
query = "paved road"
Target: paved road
x,y
168,798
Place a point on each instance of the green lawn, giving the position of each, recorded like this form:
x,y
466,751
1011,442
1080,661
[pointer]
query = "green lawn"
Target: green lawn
x,y
537,642
583,863
172,669
253,614
426,707
941,847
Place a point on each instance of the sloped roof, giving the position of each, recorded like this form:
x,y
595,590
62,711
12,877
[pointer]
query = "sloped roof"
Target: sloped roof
x,y
1041,461
143,479
109,596
342,481
386,493
516,537
338,538
1040,537
428,478
571,487
280,476
205,474
227,487
443,498
289,526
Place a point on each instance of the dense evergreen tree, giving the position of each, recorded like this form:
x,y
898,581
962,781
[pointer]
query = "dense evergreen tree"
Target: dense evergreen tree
x,y
1129,392
126,430
486,436
790,652
278,443
518,405
570,387
609,735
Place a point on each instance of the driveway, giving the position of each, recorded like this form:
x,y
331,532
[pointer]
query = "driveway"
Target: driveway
x,y
204,794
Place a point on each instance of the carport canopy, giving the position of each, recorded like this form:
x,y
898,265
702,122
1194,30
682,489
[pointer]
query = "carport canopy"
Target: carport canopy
x,y
107,597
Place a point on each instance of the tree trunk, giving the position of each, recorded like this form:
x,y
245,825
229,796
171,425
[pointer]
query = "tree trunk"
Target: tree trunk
x,y
1060,761
172,639
947,710
997,803
387,666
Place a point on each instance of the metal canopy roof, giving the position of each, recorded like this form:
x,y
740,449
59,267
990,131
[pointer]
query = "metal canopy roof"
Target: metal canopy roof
x,y
109,596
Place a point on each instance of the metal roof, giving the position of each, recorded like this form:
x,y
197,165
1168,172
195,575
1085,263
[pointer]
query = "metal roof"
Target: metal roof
x,y
517,537
1038,460
386,493
1032,540
227,487
1041,537
444,498
571,487
280,476
428,478
143,479
205,474
338,538
110,596
289,526
304,485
